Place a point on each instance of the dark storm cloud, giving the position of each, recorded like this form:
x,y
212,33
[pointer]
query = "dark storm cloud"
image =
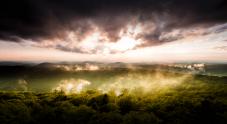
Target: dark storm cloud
x,y
48,19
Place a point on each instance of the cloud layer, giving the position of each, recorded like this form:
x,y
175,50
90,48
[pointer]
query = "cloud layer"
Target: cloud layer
x,y
68,25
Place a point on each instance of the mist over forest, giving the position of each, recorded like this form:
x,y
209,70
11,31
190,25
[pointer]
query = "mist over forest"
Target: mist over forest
x,y
96,93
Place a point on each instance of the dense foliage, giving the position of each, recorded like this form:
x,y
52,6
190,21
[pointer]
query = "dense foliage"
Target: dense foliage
x,y
184,104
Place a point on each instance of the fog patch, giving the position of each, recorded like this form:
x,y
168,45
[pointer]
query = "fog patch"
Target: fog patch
x,y
71,85
143,83
22,85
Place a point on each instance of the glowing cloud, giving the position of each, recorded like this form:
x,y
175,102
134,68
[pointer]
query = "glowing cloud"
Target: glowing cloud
x,y
96,42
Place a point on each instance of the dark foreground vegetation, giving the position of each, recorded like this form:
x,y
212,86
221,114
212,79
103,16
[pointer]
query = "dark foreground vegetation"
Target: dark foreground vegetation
x,y
148,96
185,104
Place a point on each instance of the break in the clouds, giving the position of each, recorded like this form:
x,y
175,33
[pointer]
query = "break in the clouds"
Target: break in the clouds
x,y
108,26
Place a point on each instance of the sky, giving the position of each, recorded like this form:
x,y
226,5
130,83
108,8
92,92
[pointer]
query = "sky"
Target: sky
x,y
113,30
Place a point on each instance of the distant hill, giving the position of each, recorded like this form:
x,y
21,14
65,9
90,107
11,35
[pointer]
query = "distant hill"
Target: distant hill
x,y
13,63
